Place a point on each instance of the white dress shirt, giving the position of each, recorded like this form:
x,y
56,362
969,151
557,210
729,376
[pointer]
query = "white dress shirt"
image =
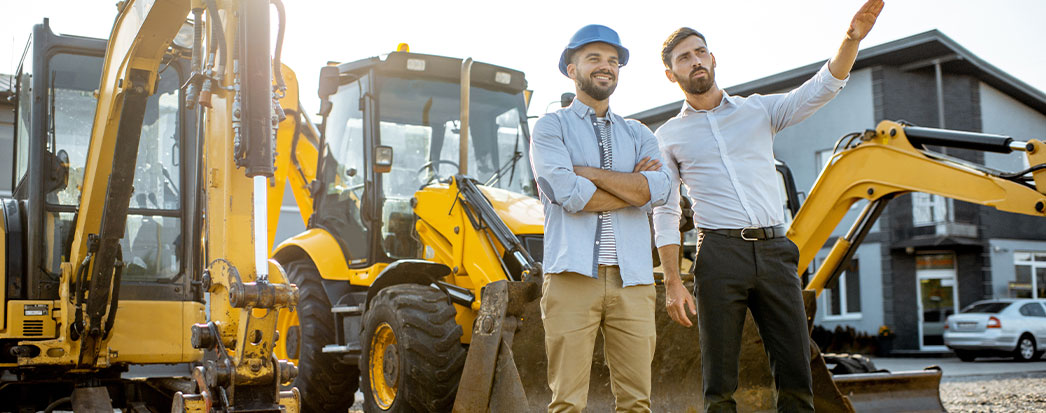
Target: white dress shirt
x,y
725,157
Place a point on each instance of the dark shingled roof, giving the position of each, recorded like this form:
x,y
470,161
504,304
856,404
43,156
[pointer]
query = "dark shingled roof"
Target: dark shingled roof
x,y
914,51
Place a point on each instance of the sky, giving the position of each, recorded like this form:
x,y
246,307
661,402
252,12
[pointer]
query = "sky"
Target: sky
x,y
751,39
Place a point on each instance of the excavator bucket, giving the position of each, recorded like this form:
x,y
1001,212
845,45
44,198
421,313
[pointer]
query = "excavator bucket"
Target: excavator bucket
x,y
676,369
909,391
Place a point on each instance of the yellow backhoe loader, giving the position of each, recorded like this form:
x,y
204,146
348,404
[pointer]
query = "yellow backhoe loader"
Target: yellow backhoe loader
x,y
365,248
130,238
415,277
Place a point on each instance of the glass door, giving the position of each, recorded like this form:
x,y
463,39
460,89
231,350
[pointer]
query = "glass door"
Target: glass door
x,y
938,298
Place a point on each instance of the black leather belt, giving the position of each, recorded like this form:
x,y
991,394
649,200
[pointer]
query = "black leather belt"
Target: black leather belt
x,y
751,233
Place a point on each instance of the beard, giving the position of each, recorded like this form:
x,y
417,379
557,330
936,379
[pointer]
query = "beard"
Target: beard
x,y
699,85
588,85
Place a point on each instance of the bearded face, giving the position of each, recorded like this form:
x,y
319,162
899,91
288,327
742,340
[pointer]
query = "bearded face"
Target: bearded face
x,y
594,69
599,84
698,81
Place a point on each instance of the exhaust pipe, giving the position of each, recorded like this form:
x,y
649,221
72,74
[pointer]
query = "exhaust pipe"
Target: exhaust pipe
x,y
463,144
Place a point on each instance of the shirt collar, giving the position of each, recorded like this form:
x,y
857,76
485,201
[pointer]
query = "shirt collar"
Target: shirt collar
x,y
727,100
583,111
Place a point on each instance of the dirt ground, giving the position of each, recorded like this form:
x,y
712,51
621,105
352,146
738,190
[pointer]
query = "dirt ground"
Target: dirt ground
x,y
995,394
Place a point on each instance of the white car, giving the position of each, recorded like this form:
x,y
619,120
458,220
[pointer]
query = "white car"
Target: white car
x,y
1003,327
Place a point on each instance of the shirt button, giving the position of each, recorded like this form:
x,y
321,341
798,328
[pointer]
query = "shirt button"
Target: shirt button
x,y
597,242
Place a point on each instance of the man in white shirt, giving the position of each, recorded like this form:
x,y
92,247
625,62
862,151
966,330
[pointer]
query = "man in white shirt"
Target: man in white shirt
x,y
721,148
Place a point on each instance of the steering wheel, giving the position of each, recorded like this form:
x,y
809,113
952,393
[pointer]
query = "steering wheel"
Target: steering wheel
x,y
433,174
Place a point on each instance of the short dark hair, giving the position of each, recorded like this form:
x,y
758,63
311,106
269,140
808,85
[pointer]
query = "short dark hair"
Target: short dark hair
x,y
674,39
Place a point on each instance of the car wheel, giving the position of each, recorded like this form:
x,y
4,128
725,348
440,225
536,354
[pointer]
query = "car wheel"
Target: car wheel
x,y
1025,350
966,355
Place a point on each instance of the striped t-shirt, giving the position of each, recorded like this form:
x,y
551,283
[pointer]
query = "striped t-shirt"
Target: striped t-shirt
x,y
606,242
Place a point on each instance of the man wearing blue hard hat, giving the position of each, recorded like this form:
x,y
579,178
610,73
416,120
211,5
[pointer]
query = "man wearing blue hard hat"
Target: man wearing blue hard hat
x,y
599,176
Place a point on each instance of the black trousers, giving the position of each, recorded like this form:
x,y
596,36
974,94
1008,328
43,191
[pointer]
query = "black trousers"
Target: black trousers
x,y
732,275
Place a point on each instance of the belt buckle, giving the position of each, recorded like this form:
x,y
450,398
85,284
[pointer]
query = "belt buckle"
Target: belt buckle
x,y
744,237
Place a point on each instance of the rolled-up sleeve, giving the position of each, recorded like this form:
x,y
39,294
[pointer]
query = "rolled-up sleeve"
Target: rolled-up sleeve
x,y
657,181
553,168
666,216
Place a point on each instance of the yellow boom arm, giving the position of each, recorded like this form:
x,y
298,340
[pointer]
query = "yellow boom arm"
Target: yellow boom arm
x,y
885,165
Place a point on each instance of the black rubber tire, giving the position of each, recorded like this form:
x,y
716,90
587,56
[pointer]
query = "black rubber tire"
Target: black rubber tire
x,y
326,384
966,355
428,345
1019,355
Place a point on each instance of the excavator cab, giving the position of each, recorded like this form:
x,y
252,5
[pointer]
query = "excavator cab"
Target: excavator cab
x,y
57,89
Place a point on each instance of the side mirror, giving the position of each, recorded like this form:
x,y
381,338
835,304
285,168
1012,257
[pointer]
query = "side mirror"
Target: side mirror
x,y
382,159
329,83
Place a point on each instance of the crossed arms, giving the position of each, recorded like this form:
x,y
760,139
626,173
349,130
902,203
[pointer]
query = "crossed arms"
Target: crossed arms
x,y
578,188
616,190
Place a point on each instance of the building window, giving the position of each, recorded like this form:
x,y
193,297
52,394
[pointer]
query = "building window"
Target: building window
x,y
928,209
823,156
1031,275
842,297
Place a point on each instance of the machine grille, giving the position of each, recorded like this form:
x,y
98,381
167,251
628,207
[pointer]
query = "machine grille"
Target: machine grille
x,y
33,328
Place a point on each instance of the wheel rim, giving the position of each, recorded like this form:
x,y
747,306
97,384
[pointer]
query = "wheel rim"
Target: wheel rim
x,y
1027,348
289,345
383,366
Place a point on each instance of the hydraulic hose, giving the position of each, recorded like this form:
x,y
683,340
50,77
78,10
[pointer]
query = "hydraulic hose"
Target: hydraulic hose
x,y
276,72
218,35
193,91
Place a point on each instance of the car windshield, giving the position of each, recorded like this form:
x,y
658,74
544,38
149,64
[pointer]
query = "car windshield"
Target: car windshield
x,y
989,308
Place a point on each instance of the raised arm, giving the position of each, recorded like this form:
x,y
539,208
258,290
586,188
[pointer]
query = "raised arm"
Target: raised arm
x,y
800,103
861,24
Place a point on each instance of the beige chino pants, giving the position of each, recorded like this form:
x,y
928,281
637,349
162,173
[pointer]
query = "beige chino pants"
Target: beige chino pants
x,y
573,307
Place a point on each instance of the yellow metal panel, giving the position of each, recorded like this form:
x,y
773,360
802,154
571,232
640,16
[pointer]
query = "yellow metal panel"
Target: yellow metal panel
x,y
30,319
325,252
523,214
155,332
3,272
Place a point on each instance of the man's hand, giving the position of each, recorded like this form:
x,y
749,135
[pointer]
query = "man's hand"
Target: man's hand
x,y
861,24
647,164
587,172
864,20
677,300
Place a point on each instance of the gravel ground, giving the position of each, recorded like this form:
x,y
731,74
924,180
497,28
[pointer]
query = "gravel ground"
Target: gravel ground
x,y
997,394
973,394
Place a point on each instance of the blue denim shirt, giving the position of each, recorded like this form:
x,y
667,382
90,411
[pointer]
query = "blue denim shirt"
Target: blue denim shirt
x,y
566,138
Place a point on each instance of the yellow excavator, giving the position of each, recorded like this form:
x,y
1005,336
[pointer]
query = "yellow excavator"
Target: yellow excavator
x,y
877,165
131,272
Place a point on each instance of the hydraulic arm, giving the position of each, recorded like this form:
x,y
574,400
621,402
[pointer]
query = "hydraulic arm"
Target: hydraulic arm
x,y
231,88
886,163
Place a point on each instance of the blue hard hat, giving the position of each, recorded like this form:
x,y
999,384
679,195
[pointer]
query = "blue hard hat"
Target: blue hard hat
x,y
591,34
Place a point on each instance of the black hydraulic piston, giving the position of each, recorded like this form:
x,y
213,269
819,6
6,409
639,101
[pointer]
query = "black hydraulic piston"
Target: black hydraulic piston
x,y
256,88
987,142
